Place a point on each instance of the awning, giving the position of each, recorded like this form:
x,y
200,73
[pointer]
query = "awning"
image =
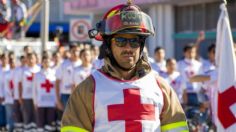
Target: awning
x,y
35,27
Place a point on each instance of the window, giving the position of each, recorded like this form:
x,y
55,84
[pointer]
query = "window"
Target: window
x,y
193,18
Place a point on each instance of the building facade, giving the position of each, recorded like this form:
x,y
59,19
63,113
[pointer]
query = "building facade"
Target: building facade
x,y
177,22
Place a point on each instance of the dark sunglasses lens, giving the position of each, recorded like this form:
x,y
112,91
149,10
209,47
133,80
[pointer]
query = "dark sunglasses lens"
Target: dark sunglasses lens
x,y
134,43
120,42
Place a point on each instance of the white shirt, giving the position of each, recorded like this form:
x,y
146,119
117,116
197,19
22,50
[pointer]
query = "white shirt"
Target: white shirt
x,y
160,67
211,88
27,81
65,74
81,73
18,72
208,66
8,86
44,88
97,64
187,69
176,82
2,70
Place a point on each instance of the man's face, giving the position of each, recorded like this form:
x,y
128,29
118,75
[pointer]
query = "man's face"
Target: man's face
x,y
86,57
46,63
31,60
74,53
171,66
57,57
126,49
4,60
160,55
12,63
211,55
191,53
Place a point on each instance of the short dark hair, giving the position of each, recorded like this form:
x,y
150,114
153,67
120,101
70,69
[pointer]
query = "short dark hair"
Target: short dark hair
x,y
32,54
25,47
22,57
158,48
211,47
73,45
82,51
3,55
169,60
44,57
188,47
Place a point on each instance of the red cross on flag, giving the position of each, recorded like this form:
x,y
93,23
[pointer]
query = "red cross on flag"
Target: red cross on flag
x,y
226,62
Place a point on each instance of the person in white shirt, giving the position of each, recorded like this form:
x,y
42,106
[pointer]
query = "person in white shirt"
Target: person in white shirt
x,y
45,97
94,52
174,78
160,63
26,92
56,60
209,64
64,83
210,85
9,86
4,67
18,115
85,69
189,67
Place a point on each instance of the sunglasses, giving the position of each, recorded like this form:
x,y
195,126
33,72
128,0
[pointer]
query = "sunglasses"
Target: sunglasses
x,y
122,42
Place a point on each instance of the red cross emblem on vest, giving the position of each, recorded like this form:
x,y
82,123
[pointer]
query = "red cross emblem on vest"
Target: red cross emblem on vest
x,y
132,111
47,85
30,78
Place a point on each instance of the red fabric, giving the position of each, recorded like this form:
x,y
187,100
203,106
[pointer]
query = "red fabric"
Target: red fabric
x,y
132,111
225,100
3,27
117,8
47,85
11,85
30,78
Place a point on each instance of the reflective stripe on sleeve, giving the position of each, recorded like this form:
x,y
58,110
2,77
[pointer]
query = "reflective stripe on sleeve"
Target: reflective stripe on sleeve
x,y
175,127
72,129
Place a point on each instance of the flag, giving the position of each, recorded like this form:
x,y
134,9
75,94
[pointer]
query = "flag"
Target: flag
x,y
226,62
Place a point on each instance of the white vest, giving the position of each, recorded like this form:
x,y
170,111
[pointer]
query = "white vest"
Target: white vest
x,y
127,106
44,89
27,81
8,85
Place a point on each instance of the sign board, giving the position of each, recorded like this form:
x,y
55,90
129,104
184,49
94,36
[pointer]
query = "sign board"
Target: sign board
x,y
83,6
79,29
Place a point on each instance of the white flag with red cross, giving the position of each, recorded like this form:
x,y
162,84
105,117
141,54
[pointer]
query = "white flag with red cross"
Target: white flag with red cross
x,y
226,62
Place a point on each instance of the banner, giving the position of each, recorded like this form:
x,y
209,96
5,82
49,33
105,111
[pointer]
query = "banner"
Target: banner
x,y
226,62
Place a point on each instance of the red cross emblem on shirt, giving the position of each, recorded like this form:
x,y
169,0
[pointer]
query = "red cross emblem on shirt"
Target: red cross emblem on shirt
x,y
47,85
30,78
11,85
132,111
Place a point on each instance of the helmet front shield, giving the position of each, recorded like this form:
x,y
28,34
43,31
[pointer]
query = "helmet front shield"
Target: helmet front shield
x,y
128,20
